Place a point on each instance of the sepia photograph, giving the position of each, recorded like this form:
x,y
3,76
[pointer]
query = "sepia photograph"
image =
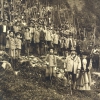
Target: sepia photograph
x,y
49,49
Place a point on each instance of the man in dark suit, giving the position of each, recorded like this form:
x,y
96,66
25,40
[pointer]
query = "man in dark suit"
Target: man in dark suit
x,y
1,32
1,27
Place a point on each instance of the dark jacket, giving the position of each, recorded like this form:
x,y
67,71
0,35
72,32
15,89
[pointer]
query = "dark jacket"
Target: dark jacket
x,y
42,36
1,29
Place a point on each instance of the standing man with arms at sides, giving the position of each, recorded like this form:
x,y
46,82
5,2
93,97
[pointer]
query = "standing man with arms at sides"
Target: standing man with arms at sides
x,y
37,40
72,66
27,37
4,33
42,41
52,63
1,34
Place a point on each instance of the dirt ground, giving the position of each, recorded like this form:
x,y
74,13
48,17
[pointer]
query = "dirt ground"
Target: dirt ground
x,y
30,84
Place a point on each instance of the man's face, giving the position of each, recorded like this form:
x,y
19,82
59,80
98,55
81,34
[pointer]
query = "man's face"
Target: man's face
x,y
26,30
51,50
73,53
17,24
11,34
70,37
84,56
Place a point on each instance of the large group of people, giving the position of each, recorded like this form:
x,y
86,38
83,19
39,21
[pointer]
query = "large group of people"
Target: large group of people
x,y
25,36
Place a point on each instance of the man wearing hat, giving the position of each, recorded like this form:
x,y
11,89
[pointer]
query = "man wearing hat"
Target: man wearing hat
x,y
72,66
51,64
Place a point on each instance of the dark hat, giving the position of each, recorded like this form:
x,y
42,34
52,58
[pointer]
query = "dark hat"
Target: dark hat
x,y
85,53
5,20
0,20
18,33
50,48
27,28
11,31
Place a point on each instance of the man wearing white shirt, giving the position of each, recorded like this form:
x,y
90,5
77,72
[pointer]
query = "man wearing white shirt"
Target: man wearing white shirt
x,y
55,40
48,36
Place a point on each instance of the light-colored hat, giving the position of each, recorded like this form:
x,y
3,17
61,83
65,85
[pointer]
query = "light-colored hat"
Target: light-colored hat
x,y
73,49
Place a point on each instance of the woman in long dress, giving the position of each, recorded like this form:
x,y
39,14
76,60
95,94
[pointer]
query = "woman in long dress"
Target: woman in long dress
x,y
84,80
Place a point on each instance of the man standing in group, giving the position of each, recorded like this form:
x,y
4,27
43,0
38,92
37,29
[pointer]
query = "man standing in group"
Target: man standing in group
x,y
55,41
48,37
72,66
1,31
37,40
42,41
27,37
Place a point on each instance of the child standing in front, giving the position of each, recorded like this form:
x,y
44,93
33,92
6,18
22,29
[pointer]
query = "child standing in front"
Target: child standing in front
x,y
52,63
12,44
18,45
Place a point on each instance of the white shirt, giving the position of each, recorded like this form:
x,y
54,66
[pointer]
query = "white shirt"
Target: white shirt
x,y
56,37
4,28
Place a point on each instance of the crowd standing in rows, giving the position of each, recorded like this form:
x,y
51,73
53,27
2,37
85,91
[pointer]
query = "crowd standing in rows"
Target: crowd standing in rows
x,y
30,36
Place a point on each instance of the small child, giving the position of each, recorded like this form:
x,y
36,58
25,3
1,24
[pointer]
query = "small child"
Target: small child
x,y
18,45
52,63
12,44
7,42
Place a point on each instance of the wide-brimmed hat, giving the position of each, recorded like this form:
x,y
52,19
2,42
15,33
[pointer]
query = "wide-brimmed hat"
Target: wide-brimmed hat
x,y
73,49
27,28
85,53
50,48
